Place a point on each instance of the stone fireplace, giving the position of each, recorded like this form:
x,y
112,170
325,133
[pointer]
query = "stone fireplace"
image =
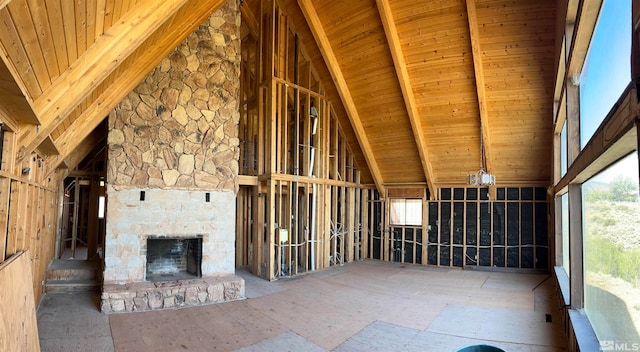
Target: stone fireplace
x,y
172,177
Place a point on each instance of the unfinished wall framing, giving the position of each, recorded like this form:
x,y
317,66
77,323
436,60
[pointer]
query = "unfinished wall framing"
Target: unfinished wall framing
x,y
466,227
28,209
300,206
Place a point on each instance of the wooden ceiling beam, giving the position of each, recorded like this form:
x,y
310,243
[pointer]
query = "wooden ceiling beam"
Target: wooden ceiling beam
x,y
98,61
78,154
330,59
480,85
138,65
4,3
407,91
249,19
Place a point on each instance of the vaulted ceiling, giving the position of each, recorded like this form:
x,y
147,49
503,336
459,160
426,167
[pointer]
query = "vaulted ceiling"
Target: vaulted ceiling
x,y
416,82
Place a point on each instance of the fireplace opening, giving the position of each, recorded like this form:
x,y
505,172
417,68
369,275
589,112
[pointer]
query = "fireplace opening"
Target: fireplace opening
x,y
173,258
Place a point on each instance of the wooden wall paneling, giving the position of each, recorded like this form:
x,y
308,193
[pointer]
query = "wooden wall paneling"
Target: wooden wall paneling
x,y
18,323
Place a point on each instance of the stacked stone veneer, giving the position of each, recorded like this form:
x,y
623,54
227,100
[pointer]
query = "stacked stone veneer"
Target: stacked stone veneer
x,y
144,296
173,144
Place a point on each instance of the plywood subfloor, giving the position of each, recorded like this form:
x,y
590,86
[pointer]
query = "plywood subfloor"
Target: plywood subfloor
x,y
364,306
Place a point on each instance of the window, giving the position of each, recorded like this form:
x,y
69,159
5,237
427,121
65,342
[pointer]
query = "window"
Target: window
x,y
611,220
101,203
405,212
607,69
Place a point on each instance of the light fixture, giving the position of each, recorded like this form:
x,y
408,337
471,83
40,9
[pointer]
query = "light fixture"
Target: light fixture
x,y
481,177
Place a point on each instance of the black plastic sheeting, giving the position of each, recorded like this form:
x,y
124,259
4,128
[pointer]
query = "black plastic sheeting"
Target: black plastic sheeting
x,y
465,228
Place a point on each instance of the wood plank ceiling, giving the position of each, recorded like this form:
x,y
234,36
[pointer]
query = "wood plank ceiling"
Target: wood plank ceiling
x,y
66,64
423,75
412,80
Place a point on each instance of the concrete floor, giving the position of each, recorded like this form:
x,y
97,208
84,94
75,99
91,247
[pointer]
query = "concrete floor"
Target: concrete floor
x,y
364,306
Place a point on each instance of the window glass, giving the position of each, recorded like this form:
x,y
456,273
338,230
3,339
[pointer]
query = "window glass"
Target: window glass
x,y
607,68
101,203
405,212
612,251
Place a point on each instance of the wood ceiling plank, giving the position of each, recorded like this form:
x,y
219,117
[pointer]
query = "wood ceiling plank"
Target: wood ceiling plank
x,y
69,23
100,16
100,60
25,27
18,62
480,84
327,52
45,36
133,70
117,9
108,14
92,13
54,14
407,92
80,10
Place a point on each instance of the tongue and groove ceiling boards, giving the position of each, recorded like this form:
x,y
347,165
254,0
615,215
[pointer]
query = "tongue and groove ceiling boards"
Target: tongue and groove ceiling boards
x,y
410,81
422,75
66,64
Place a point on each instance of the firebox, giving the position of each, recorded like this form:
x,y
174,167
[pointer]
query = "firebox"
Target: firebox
x,y
173,258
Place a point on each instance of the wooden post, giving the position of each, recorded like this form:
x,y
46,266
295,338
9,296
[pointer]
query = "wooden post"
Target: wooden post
x,y
326,232
349,223
5,193
258,234
575,246
357,225
364,228
271,240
